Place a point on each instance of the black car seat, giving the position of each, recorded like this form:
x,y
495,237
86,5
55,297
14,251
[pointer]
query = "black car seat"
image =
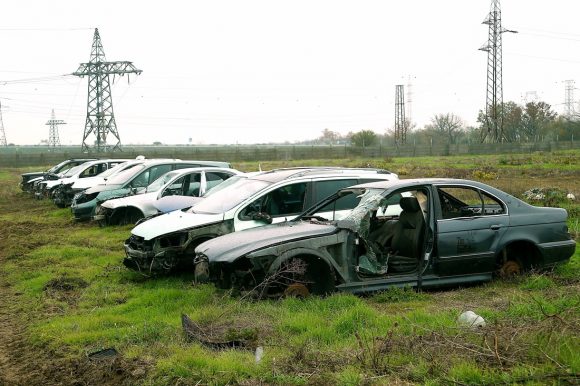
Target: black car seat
x,y
409,233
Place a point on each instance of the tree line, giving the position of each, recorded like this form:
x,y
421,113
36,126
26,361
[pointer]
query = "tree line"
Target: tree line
x,y
532,122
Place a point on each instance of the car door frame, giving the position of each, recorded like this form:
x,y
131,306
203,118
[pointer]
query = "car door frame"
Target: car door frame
x,y
239,224
477,230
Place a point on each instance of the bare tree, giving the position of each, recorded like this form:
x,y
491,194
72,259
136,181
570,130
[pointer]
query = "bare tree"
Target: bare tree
x,y
448,125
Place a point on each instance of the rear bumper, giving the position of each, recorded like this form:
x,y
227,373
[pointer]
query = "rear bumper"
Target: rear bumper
x,y
557,251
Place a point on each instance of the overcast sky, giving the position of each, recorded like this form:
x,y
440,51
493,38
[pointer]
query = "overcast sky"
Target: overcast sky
x,y
263,71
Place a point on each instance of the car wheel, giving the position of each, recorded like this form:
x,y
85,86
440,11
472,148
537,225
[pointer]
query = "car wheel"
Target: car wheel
x,y
297,290
201,272
509,269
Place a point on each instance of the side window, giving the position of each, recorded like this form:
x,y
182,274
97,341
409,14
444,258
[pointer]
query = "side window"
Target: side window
x,y
191,184
158,171
491,205
284,201
324,189
459,202
93,171
175,188
215,178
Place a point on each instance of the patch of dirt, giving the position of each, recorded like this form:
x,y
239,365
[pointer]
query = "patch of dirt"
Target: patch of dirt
x,y
22,363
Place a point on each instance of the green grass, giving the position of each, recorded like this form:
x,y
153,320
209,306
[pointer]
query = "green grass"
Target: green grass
x,y
397,335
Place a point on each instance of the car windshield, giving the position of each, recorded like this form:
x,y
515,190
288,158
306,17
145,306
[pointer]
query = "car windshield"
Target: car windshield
x,y
125,175
57,168
112,170
73,171
228,194
161,181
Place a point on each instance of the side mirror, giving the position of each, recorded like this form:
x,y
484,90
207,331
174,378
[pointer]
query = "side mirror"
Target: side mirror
x,y
262,216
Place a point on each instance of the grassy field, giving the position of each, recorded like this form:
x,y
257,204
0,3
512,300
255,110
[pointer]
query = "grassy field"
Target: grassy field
x,y
64,295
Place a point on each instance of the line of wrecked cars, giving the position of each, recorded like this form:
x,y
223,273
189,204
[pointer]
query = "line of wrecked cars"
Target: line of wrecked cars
x,y
301,231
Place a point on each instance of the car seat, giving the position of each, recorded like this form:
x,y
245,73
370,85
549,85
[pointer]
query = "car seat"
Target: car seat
x,y
409,233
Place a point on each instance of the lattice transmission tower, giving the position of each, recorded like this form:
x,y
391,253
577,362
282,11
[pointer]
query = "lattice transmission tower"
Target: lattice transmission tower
x,y
2,133
400,123
569,99
493,130
100,116
53,123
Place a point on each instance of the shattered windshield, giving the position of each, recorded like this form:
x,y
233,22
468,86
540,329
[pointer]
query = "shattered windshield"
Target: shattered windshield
x,y
161,181
370,201
228,194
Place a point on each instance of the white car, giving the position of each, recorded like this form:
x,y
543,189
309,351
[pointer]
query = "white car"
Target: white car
x,y
168,241
186,183
63,194
86,170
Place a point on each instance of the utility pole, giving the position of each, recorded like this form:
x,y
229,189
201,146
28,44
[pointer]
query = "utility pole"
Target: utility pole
x,y
569,99
2,132
493,130
400,123
53,139
100,117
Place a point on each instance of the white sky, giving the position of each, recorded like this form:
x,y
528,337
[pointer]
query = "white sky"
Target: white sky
x,y
262,71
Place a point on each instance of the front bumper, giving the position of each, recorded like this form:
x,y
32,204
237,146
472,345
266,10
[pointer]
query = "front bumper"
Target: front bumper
x,y
140,256
84,211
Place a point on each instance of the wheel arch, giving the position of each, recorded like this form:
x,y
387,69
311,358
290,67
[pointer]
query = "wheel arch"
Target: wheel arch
x,y
524,251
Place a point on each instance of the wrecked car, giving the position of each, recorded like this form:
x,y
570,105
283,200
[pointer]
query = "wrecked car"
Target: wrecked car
x,y
193,182
421,232
54,173
167,242
132,181
88,170
63,194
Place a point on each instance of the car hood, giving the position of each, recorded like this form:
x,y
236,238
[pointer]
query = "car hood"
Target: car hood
x,y
135,200
88,182
103,188
35,174
170,203
230,247
173,222
51,183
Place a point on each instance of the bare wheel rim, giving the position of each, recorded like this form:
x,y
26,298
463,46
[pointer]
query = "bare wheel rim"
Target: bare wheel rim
x,y
297,290
510,268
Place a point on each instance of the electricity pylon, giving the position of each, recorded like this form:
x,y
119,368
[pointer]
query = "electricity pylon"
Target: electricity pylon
x,y
493,130
53,139
400,123
100,117
2,133
569,99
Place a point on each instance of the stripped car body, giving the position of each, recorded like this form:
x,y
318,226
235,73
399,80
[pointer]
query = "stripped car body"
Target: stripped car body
x,y
46,189
89,171
423,232
65,192
191,182
28,179
168,241
132,181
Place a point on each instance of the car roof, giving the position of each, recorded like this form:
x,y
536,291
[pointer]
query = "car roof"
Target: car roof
x,y
220,164
420,181
277,175
205,169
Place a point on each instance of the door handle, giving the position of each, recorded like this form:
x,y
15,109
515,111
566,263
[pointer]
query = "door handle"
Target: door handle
x,y
495,227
